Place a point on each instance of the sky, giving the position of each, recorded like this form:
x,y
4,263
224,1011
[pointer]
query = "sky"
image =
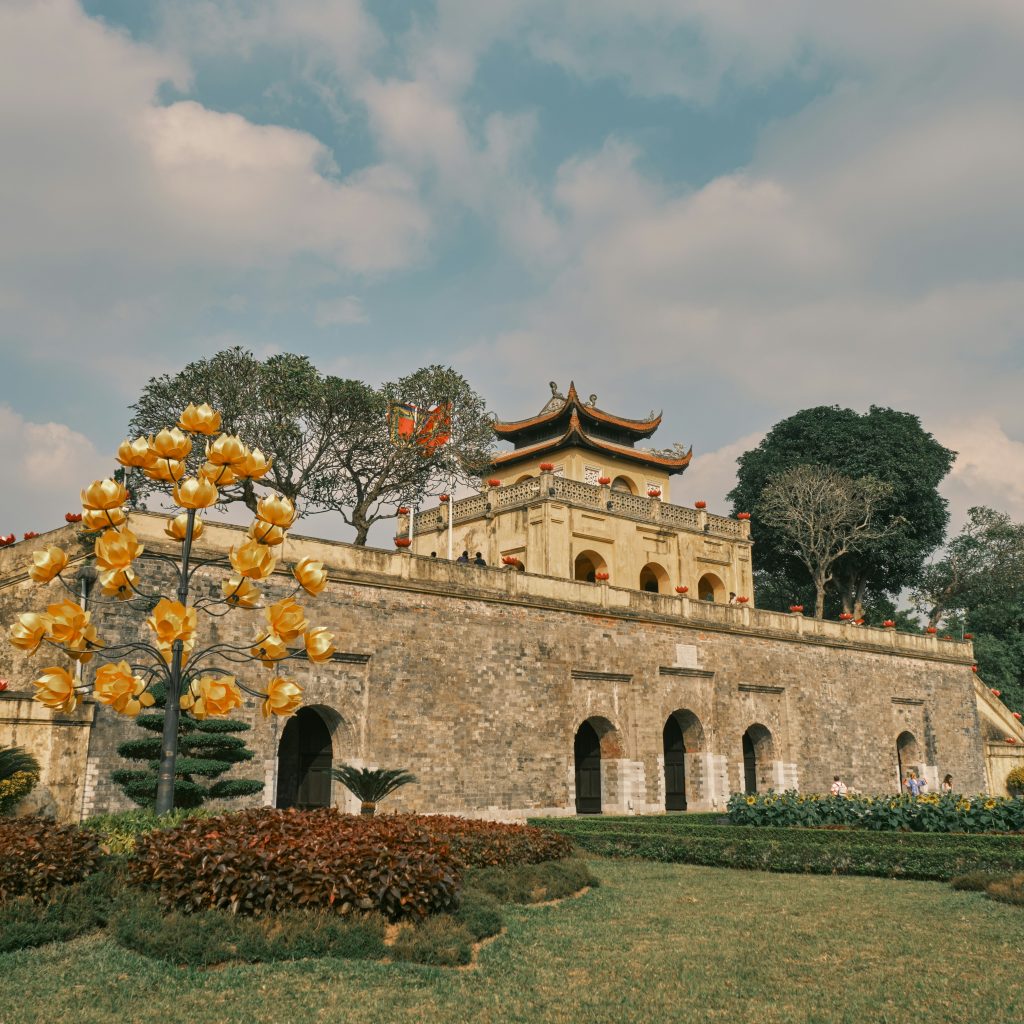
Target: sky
x,y
725,210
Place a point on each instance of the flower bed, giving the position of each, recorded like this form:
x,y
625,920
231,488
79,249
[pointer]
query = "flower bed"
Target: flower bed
x,y
37,855
932,812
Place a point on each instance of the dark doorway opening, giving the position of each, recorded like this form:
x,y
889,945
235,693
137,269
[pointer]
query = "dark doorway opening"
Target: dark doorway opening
x,y
749,765
304,759
587,752
675,766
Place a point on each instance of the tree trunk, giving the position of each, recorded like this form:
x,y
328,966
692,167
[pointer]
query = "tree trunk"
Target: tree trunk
x,y
858,598
367,807
362,529
819,599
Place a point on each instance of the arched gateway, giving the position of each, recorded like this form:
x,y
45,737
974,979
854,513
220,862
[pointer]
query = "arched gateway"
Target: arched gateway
x,y
682,735
304,758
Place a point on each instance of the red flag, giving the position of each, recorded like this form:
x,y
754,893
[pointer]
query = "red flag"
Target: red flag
x,y
436,429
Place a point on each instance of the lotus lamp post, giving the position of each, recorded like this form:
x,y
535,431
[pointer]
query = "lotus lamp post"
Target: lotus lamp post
x,y
199,679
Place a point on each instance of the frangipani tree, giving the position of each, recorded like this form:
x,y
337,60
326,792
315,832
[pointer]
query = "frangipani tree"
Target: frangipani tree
x,y
199,679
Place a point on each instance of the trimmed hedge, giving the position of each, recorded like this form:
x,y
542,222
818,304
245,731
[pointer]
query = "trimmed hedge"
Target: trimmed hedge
x,y
485,844
932,812
937,857
36,855
66,912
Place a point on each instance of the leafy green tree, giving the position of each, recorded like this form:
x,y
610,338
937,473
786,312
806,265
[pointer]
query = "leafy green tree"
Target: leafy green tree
x,y
208,750
890,446
977,586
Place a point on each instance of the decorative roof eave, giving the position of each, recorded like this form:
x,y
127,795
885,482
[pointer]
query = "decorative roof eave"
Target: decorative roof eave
x,y
640,428
576,435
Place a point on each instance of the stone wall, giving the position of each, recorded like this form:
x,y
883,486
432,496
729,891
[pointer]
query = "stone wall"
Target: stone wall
x,y
477,680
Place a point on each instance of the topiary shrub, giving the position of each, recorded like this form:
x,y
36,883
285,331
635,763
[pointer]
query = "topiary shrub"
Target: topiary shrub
x,y
1015,781
266,861
206,751
37,855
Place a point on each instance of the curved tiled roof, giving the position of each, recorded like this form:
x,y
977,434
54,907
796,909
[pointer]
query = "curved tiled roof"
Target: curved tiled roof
x,y
576,435
639,428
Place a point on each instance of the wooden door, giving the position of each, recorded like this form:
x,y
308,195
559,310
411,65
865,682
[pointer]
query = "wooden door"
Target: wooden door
x,y
675,766
587,751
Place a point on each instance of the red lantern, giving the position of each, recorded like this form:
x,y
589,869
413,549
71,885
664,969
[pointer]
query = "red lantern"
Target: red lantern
x,y
743,515
700,504
403,511
509,559
682,590
974,668
546,467
3,685
444,498
996,693
72,517
845,616
602,576
604,481
742,600
402,542
1016,715
494,482
30,534
654,492
889,624
796,607
968,636
931,630
1011,739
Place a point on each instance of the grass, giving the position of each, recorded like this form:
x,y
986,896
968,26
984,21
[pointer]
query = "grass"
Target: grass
x,y
655,942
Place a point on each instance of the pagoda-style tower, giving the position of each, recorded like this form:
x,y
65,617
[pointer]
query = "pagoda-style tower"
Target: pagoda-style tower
x,y
576,499
586,443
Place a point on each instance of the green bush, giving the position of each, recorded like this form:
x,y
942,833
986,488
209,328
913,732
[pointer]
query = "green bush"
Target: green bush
x,y
1015,781
66,912
216,936
37,855
1007,890
815,851
531,883
443,941
118,832
975,881
480,913
933,812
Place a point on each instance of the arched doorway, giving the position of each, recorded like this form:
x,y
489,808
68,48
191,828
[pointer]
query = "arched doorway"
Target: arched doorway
x,y
710,588
908,757
304,758
654,578
595,739
623,483
587,565
682,735
758,754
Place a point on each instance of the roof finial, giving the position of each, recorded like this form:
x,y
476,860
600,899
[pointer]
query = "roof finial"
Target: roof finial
x,y
593,402
556,401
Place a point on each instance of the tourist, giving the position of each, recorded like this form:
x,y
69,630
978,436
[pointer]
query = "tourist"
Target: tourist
x,y
433,554
479,559
913,784
947,784
838,786
732,597
463,559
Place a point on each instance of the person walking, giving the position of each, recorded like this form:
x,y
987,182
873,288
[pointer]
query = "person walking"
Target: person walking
x,y
913,784
947,784
838,787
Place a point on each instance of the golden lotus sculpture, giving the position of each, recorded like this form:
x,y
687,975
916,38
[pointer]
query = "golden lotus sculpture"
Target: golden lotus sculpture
x,y
168,652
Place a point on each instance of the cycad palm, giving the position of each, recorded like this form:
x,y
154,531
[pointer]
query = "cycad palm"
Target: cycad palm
x,y
14,760
371,785
19,772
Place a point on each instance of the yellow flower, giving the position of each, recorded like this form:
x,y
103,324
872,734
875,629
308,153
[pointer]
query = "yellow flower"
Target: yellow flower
x,y
252,560
199,419
195,492
171,621
28,631
115,686
254,466
275,509
171,443
264,533
963,805
119,583
214,696
219,476
270,649
287,619
70,627
990,805
227,450
177,527
56,690
101,495
310,575
284,696
751,800
136,454
47,563
116,550
165,470
240,592
110,518
319,644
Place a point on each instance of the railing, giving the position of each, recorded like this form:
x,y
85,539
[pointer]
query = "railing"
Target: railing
x,y
577,492
679,515
516,494
469,508
630,504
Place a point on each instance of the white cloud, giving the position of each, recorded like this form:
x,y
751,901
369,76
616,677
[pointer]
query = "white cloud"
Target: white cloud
x,y
340,312
43,466
710,476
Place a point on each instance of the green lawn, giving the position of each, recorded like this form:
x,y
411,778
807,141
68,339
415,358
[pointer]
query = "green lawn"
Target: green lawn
x,y
657,942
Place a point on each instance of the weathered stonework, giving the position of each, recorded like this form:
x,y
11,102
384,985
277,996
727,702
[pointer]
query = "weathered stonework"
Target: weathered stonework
x,y
478,679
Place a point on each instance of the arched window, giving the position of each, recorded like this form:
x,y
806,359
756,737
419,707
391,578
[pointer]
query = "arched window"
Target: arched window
x,y
654,578
587,565
758,754
710,588
623,483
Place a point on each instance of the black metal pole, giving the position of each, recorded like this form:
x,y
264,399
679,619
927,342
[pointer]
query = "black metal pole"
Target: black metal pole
x,y
169,743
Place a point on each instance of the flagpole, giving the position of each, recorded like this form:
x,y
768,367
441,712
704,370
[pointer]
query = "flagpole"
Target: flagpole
x,y
451,518
412,524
